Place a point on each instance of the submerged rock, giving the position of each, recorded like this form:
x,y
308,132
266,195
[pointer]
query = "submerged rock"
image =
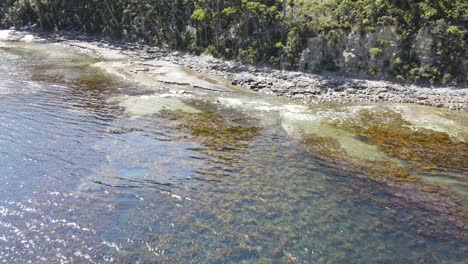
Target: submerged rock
x,y
420,145
143,105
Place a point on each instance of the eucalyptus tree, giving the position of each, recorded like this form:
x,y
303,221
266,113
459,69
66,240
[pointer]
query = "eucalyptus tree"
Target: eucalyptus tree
x,y
256,30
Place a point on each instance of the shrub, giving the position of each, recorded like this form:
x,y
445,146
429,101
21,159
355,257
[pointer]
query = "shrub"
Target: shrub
x,y
447,78
250,54
211,49
333,36
371,29
293,46
375,52
373,70
383,42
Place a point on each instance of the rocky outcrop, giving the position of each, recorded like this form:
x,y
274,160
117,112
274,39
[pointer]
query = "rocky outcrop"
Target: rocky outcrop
x,y
306,87
313,89
374,54
357,54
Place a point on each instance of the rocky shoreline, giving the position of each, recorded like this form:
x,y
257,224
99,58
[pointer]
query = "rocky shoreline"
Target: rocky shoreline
x,y
307,88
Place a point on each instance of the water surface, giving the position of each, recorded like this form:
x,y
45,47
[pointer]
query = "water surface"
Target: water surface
x,y
95,169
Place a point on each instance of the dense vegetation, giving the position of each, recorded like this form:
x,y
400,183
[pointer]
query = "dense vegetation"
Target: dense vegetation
x,y
262,31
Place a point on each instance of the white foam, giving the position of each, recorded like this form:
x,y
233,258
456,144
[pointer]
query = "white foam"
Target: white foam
x,y
433,119
144,105
261,105
6,34
13,35
230,102
27,38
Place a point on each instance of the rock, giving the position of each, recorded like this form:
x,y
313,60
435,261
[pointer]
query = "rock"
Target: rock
x,y
297,85
302,84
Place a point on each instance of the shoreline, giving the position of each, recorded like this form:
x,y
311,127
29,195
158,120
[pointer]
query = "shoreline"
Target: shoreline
x,y
432,197
310,89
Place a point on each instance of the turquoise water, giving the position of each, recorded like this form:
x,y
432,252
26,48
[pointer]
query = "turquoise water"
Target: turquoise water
x,y
84,181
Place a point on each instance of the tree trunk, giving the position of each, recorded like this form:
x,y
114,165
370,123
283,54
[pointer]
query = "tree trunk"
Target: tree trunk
x,y
38,8
285,7
114,18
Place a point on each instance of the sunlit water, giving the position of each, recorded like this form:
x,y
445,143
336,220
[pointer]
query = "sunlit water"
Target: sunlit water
x,y
112,172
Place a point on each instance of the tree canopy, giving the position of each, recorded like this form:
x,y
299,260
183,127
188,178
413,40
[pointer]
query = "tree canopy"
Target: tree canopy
x,y
258,31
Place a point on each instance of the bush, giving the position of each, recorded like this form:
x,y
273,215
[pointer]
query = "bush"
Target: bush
x,y
398,61
447,78
211,49
333,36
373,70
375,52
383,42
250,54
293,47
371,29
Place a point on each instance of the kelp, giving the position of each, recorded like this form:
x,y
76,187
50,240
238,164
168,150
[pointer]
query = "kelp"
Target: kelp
x,y
330,150
91,78
423,148
223,135
42,74
94,81
213,129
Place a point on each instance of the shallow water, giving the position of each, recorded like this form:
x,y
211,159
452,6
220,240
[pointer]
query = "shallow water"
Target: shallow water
x,y
90,175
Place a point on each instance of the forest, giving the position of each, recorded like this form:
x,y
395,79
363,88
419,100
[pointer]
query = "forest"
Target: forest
x,y
272,32
234,131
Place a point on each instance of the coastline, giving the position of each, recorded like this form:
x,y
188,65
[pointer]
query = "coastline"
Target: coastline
x,y
437,199
310,89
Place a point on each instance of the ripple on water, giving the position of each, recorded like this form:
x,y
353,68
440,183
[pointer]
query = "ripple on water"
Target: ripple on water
x,y
42,231
84,181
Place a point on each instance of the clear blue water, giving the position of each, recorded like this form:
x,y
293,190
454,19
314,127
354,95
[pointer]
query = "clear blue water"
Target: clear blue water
x,y
82,182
